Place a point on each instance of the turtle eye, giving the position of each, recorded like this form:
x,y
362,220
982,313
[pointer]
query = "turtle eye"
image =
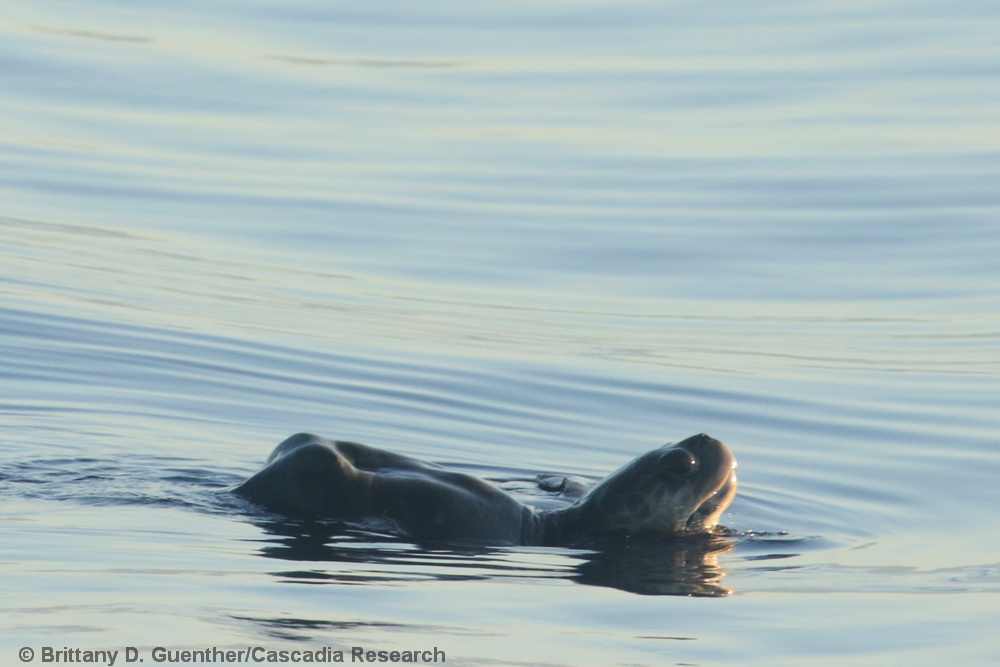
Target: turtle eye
x,y
678,462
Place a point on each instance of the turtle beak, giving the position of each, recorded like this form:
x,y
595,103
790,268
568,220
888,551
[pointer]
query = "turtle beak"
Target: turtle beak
x,y
718,465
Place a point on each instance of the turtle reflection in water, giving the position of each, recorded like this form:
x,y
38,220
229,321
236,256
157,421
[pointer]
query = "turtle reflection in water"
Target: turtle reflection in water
x,y
679,489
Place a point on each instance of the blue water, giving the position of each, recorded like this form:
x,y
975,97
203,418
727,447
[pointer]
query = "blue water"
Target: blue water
x,y
511,238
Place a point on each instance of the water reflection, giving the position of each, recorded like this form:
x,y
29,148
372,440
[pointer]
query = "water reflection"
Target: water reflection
x,y
343,554
302,629
660,566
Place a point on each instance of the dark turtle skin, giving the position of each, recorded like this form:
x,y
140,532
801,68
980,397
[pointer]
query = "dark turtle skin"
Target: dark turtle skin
x,y
673,490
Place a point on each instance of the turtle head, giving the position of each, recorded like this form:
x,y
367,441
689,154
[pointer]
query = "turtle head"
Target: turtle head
x,y
681,488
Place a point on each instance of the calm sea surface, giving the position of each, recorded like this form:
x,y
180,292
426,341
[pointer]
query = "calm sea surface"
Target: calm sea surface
x,y
512,238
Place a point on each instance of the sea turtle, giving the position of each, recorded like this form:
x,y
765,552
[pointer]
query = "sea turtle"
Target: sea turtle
x,y
675,489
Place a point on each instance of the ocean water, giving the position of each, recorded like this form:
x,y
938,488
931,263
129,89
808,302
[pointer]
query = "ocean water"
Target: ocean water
x,y
509,238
